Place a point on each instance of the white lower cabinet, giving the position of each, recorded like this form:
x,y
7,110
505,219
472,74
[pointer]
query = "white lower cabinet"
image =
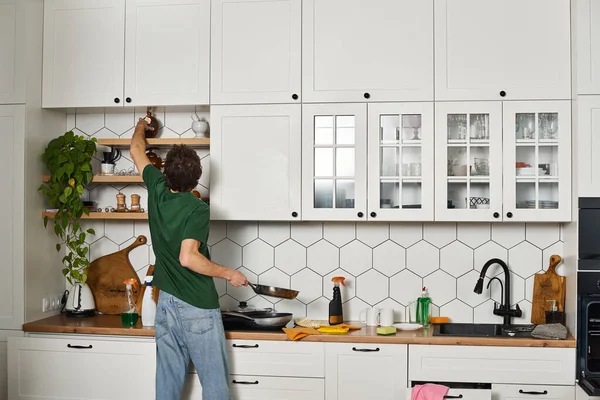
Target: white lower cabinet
x,y
80,367
358,371
545,392
462,394
254,387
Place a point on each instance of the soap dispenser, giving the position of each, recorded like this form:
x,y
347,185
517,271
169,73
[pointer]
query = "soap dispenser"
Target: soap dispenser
x,y
554,316
336,315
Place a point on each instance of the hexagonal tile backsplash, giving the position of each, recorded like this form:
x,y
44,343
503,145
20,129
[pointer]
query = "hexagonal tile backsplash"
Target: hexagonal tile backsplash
x,y
385,264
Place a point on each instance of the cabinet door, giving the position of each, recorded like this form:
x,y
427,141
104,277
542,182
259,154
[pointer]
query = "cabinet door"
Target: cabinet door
x,y
252,387
537,161
468,161
84,49
167,50
255,162
41,368
256,48
334,162
346,365
354,53
588,162
519,392
12,37
401,166
12,263
588,46
493,50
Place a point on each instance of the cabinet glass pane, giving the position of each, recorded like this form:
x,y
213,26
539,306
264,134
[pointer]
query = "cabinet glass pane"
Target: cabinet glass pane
x,y
525,126
479,196
344,193
526,196
389,161
324,130
457,161
390,193
411,194
525,161
411,161
411,127
480,161
549,195
344,161
323,193
479,127
457,127
548,126
389,128
548,161
344,129
324,162
457,193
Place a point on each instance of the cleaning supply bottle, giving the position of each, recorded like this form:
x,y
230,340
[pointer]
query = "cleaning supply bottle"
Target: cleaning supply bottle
x,y
423,308
336,315
148,304
554,316
129,316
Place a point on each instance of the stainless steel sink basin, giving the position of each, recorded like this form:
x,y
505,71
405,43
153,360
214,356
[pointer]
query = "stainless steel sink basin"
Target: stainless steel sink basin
x,y
483,330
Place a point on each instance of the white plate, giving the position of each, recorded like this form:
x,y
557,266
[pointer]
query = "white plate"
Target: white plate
x,y
408,327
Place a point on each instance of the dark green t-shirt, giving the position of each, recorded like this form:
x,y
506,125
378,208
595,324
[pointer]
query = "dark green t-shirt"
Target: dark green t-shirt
x,y
174,217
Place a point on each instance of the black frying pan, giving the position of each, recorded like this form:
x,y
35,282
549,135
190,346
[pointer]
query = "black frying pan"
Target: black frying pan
x,y
274,291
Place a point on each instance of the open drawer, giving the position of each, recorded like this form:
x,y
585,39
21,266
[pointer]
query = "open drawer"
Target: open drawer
x,y
462,391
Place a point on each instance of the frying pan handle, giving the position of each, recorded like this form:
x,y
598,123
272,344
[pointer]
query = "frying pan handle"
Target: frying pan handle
x,y
234,314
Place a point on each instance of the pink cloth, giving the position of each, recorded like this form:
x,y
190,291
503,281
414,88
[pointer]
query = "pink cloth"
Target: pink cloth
x,y
429,391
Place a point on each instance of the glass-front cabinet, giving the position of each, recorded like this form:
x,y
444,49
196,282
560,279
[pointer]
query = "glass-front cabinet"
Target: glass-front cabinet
x,y
537,154
468,161
334,162
400,161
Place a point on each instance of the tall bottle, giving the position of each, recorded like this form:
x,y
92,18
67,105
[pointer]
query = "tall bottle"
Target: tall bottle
x,y
148,304
336,315
423,308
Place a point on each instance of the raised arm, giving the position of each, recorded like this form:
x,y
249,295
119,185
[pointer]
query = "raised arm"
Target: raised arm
x,y
138,145
191,258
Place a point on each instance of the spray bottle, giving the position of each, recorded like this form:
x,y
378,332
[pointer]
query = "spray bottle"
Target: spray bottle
x,y
129,316
336,315
148,304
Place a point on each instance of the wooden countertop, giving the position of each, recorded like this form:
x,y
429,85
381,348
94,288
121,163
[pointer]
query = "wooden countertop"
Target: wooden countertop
x,y
111,325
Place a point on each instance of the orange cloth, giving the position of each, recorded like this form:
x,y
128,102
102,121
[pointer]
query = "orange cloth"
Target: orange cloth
x,y
299,333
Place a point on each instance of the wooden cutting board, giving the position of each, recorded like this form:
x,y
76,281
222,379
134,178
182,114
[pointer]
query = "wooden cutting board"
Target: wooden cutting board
x,y
106,275
548,286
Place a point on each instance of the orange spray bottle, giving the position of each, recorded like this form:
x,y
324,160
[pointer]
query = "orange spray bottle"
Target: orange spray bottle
x,y
336,315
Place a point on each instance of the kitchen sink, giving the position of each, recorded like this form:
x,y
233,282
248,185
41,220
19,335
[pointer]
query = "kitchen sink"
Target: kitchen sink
x,y
483,330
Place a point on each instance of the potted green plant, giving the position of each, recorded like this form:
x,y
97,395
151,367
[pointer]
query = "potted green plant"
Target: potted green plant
x,y
68,160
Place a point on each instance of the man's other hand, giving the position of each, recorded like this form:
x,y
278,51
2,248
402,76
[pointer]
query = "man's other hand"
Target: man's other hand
x,y
237,279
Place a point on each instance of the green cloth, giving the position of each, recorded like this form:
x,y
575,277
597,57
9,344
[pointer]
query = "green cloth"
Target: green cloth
x,y
174,217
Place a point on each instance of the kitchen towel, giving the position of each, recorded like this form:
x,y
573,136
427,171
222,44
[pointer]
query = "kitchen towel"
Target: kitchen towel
x,y
429,391
299,333
550,331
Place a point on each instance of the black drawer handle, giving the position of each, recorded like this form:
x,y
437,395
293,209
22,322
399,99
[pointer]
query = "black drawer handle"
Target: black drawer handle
x,y
295,96
534,393
373,214
294,214
360,215
75,346
453,397
496,215
128,100
245,346
117,100
365,350
244,382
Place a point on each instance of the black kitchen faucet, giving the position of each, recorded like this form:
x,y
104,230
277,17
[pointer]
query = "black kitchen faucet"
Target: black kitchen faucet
x,y
504,309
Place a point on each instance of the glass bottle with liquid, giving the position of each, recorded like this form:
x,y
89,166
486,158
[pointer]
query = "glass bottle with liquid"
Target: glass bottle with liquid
x,y
129,314
423,308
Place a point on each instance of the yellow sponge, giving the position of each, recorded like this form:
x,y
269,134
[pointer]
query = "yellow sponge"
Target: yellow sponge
x,y
386,330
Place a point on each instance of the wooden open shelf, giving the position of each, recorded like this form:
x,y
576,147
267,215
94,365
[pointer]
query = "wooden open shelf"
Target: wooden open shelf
x,y
109,179
158,142
106,215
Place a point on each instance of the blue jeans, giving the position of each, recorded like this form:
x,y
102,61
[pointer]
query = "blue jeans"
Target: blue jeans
x,y
184,333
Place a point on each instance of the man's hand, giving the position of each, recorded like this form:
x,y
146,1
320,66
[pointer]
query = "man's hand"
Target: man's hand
x,y
144,124
138,145
237,279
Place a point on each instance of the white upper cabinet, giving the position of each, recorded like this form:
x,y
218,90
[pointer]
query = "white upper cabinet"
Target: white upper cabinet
x,y
167,51
588,46
537,161
588,135
495,50
357,51
256,51
400,161
255,162
468,161
12,26
84,49
334,162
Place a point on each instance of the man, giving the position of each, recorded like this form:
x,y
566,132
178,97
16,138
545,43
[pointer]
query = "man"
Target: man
x,y
188,321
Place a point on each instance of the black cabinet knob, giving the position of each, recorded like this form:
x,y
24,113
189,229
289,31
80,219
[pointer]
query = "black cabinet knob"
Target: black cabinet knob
x,y
295,96
117,100
360,215
294,214
509,214
128,99
373,214
367,96
496,215
502,93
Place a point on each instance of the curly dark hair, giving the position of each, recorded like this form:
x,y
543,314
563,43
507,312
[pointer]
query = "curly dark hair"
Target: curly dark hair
x,y
182,168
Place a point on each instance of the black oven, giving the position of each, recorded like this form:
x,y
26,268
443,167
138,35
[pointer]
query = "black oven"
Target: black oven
x,y
588,331
589,233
